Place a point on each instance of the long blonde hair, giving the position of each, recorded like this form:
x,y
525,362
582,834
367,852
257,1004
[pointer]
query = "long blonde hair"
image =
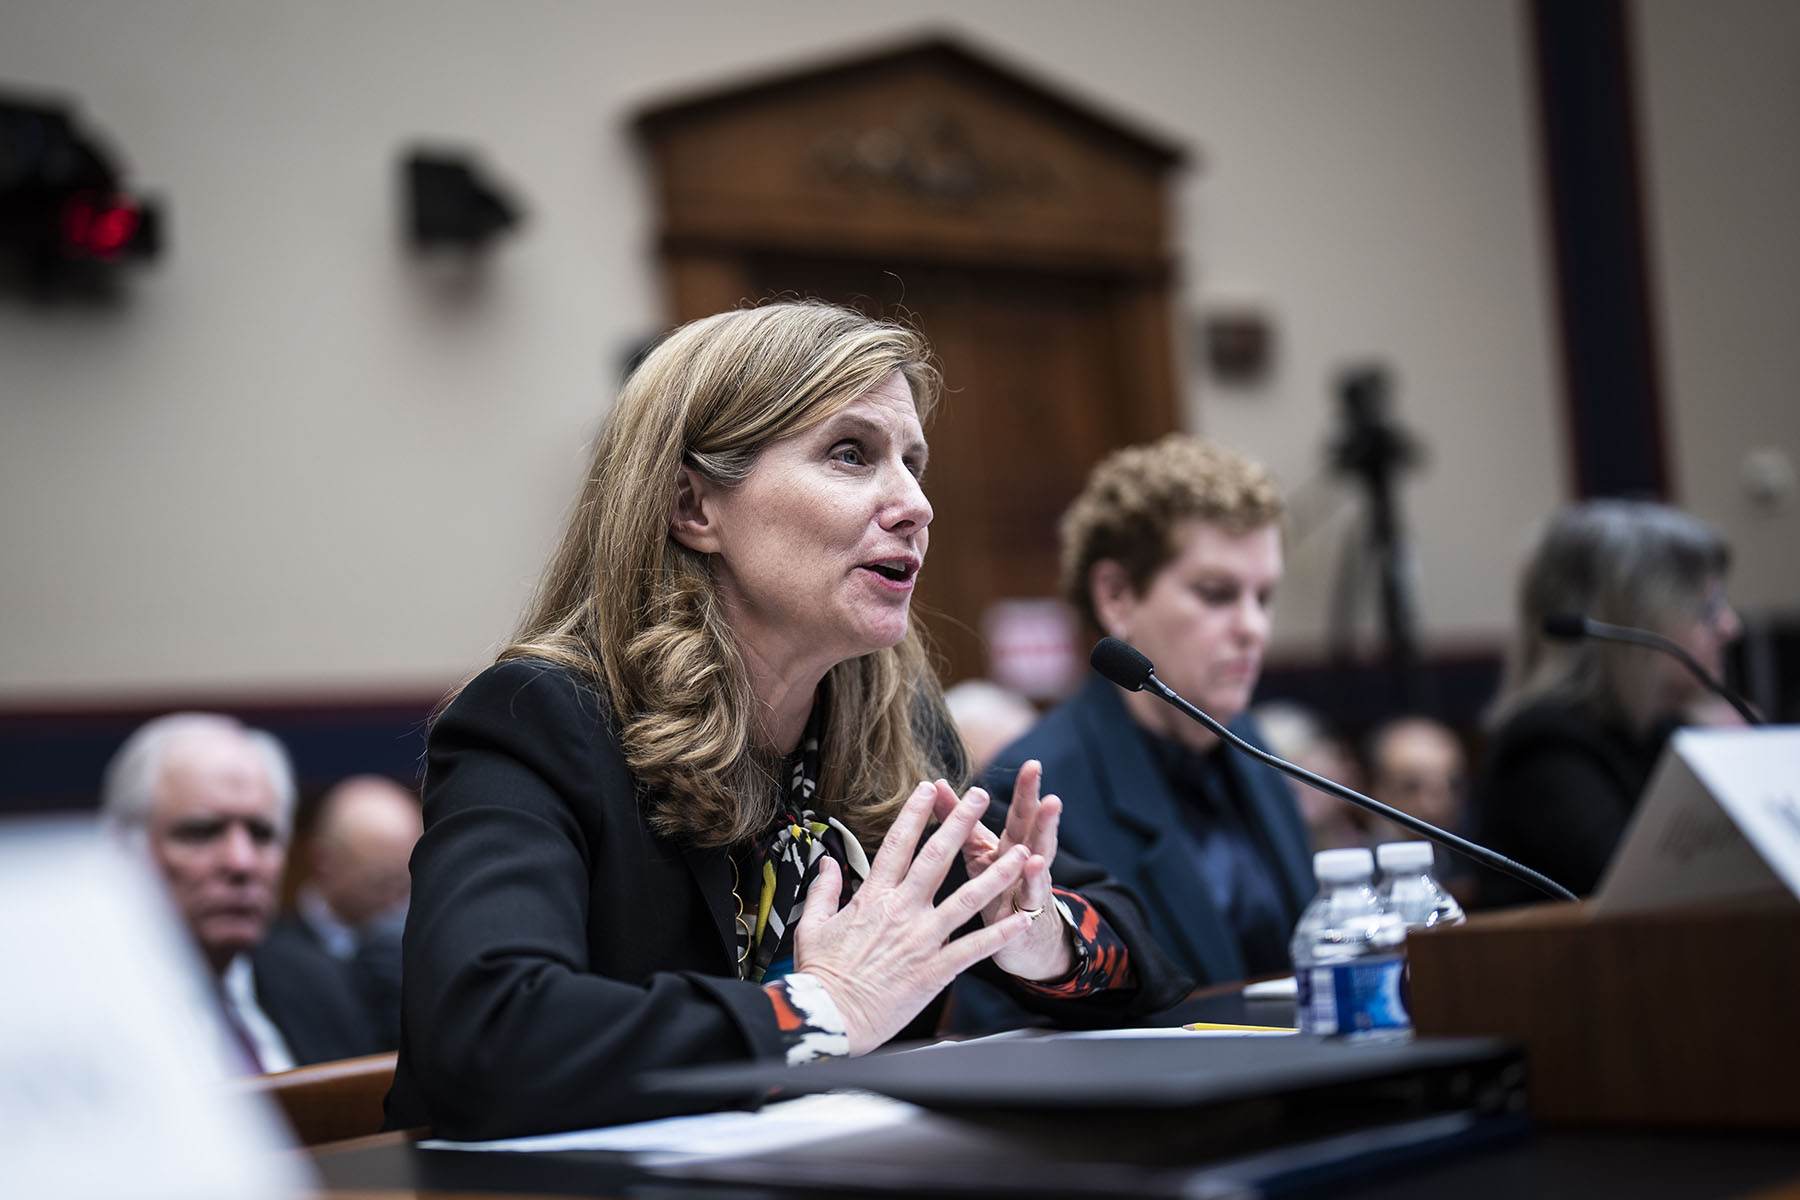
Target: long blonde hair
x,y
624,603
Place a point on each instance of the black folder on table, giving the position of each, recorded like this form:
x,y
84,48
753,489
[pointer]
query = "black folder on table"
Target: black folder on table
x,y
1152,1115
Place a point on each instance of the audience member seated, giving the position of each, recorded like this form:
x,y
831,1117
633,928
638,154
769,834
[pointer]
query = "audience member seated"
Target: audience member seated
x,y
212,804
352,903
1175,548
1578,726
1297,734
1417,765
358,852
988,717
685,818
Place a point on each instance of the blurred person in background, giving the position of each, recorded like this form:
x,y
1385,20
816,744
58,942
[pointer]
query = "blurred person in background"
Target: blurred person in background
x,y
988,717
1175,548
352,903
212,803
1578,726
361,841
1298,734
1416,764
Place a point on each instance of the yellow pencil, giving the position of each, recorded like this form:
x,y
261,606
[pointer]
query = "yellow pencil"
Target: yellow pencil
x,y
1202,1026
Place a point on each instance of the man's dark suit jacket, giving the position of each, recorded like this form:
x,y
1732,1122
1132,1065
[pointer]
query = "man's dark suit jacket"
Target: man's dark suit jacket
x,y
557,946
311,998
1119,814
374,971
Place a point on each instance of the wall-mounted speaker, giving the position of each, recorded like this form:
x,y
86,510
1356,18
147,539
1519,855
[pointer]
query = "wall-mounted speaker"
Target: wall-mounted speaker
x,y
450,202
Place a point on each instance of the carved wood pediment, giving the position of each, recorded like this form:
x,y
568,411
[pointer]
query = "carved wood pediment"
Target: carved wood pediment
x,y
927,149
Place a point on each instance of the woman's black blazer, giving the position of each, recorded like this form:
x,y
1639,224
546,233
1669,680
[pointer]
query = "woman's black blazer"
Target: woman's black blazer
x,y
556,946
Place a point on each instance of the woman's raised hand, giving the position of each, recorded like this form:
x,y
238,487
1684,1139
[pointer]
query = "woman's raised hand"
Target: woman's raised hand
x,y
1031,823
886,954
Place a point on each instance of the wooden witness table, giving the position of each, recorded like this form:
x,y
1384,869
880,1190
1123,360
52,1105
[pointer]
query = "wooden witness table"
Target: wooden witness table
x,y
1547,1164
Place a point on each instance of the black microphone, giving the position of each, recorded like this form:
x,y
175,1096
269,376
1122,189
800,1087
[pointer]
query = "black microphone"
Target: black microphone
x,y
1572,627
1126,667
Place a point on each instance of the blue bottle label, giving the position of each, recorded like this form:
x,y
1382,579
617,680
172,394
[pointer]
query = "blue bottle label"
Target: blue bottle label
x,y
1353,997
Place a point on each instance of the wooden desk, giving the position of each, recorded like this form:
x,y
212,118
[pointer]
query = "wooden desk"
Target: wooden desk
x,y
1681,1019
1549,1164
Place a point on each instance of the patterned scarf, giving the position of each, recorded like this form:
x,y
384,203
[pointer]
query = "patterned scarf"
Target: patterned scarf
x,y
785,859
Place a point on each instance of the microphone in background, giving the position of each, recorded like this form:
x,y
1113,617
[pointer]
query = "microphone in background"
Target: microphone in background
x,y
1573,627
1126,667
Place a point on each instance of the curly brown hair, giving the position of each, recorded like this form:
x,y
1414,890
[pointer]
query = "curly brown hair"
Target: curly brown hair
x,y
1135,498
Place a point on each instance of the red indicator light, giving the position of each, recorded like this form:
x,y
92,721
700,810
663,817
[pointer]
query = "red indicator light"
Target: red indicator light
x,y
112,229
102,230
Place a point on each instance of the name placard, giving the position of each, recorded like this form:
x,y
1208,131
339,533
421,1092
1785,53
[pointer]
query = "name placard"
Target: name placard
x,y
110,1080
1719,821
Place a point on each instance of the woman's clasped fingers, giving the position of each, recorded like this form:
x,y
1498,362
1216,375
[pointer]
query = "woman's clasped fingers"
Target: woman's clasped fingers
x,y
896,851
981,844
1033,823
885,954
932,863
1042,839
993,938
1022,815
984,894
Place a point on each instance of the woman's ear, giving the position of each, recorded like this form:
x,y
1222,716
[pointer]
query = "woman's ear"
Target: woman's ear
x,y
1113,597
691,518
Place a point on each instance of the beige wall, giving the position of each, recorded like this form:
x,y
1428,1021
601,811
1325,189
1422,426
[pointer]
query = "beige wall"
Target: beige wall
x,y
294,459
1721,86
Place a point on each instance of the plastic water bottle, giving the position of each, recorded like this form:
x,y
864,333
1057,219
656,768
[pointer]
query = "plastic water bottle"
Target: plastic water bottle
x,y
1348,953
1408,889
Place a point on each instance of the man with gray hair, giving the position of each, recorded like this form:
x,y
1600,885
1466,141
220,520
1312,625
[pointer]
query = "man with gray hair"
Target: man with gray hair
x,y
212,803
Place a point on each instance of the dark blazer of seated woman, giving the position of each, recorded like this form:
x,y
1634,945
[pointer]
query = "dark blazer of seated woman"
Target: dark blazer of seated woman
x,y
1555,790
1129,822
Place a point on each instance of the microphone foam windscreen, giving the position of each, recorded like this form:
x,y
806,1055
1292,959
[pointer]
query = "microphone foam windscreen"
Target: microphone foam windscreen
x,y
1121,664
1565,626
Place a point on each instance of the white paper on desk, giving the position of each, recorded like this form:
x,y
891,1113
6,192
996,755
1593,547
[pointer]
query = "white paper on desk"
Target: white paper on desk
x,y
1167,1031
774,1127
1720,820
1127,1033
109,1084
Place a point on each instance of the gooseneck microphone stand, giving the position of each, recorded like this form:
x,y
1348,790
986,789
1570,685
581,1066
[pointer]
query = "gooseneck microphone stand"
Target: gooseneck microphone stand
x,y
1126,667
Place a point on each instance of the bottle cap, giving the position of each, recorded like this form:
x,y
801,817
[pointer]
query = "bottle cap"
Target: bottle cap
x,y
1404,856
1343,866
